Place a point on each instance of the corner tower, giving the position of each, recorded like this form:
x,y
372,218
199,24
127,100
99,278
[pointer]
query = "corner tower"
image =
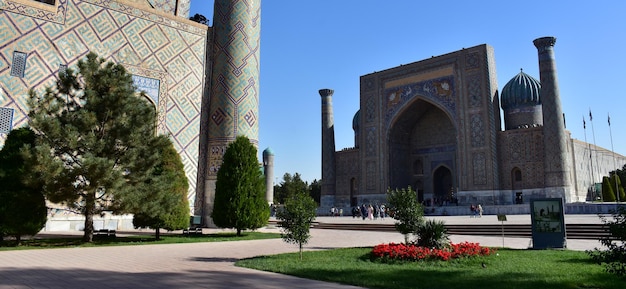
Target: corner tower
x,y
328,149
556,162
234,86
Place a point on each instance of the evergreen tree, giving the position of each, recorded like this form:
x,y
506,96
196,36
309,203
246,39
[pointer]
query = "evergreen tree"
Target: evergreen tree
x,y
615,181
289,187
315,191
22,207
240,189
406,210
295,219
607,190
160,201
95,137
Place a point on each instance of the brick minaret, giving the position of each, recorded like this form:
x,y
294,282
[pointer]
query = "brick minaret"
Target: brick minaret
x,y
268,169
556,161
234,88
328,148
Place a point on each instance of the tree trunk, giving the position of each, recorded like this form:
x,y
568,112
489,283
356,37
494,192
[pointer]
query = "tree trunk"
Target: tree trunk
x,y
300,251
238,232
157,234
89,209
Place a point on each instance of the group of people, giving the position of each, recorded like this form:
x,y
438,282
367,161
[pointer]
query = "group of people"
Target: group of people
x,y
477,211
370,212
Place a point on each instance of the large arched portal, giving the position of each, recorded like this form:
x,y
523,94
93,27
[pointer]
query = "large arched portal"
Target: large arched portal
x,y
442,184
423,135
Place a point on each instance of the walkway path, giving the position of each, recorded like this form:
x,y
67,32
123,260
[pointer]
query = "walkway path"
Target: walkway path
x,y
207,265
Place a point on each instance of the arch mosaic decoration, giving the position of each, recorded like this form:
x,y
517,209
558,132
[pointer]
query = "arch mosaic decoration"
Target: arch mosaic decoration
x,y
439,90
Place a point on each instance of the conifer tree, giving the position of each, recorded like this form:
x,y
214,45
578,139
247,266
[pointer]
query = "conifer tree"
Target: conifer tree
x,y
607,190
240,189
160,200
615,180
22,205
95,137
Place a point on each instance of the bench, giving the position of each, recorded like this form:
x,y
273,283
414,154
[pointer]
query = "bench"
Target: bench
x,y
104,233
192,231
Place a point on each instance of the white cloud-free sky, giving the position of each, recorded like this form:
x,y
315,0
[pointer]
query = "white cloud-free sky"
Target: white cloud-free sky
x,y
307,45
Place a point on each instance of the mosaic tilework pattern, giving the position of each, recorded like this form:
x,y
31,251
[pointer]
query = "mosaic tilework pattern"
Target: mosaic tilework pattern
x,y
149,45
235,83
37,10
440,90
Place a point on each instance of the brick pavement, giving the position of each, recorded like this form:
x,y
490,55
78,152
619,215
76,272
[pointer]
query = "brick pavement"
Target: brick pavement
x,y
202,265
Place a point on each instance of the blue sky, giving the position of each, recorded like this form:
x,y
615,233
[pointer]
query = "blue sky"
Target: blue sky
x,y
307,45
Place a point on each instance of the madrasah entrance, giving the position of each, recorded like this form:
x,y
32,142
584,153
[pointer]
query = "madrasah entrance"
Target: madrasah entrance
x,y
422,152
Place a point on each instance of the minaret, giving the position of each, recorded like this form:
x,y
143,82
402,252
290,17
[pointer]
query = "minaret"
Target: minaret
x,y
556,161
328,149
268,169
234,92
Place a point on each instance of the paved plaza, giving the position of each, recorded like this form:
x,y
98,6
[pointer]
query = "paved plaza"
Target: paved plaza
x,y
211,265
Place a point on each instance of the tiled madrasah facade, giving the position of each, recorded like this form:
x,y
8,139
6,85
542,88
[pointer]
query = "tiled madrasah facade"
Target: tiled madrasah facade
x,y
435,125
203,81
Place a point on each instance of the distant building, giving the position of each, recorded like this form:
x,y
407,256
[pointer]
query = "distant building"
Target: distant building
x,y
435,125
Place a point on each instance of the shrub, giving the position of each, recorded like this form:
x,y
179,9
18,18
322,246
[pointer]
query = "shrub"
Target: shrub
x,y
614,258
408,212
433,234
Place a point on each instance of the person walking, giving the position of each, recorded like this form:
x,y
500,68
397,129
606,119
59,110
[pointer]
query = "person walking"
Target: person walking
x,y
480,211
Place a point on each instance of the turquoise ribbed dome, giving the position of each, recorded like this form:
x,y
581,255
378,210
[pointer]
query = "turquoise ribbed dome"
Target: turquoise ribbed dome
x,y
522,90
268,152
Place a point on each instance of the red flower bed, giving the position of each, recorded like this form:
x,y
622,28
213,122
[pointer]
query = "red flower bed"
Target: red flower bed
x,y
394,251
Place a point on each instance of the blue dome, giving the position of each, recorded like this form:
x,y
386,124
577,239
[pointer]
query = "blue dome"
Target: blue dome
x,y
522,90
356,120
268,152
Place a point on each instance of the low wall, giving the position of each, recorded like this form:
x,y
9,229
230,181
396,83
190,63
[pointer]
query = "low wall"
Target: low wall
x,y
77,223
522,209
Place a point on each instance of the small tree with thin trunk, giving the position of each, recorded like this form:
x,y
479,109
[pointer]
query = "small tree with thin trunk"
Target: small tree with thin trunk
x,y
295,218
240,189
406,210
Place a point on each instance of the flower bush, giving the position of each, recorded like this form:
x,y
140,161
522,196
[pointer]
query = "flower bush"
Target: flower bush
x,y
392,251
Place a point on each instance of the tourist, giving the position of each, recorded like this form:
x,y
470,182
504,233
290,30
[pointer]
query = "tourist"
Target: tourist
x,y
480,211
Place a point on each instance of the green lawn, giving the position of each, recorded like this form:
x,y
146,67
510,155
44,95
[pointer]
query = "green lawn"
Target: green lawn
x,y
133,240
510,268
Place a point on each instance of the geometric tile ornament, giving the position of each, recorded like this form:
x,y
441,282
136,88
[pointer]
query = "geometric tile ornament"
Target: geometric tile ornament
x,y
165,52
235,80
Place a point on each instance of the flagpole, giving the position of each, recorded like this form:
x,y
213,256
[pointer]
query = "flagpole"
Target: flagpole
x,y
614,161
593,132
593,182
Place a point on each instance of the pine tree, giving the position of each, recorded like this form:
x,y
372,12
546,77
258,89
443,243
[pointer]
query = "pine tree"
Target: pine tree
x,y
240,189
160,201
95,137
22,207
